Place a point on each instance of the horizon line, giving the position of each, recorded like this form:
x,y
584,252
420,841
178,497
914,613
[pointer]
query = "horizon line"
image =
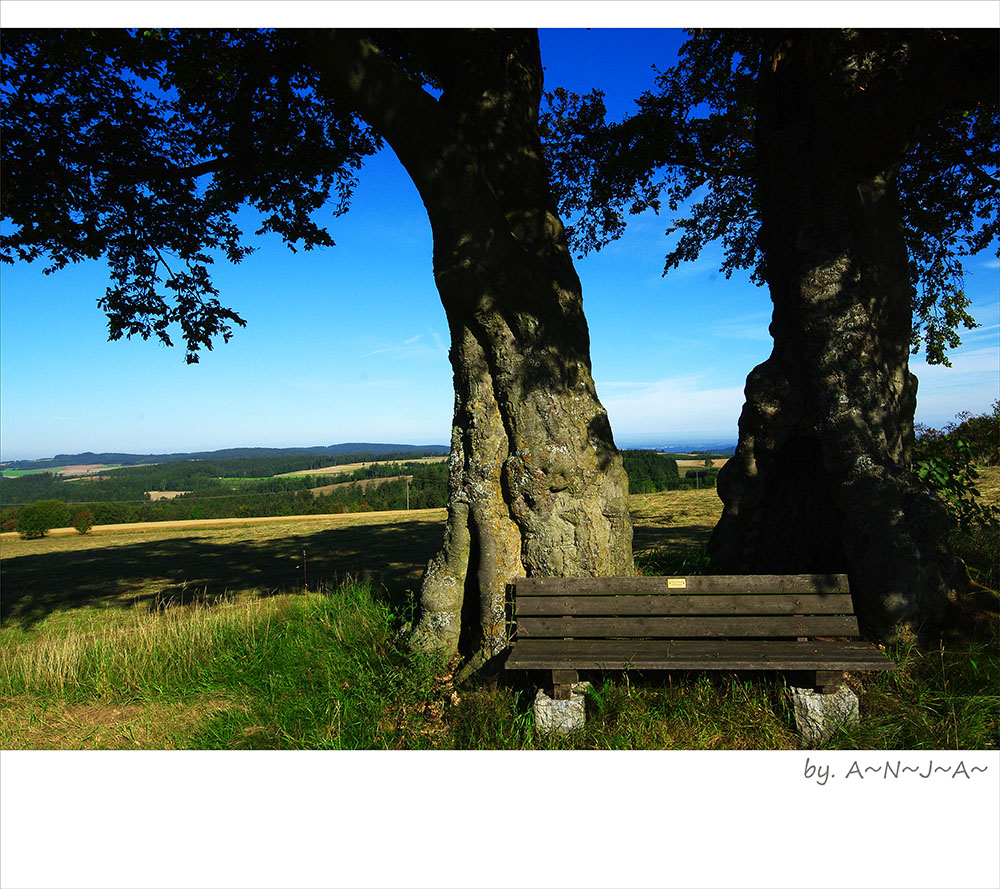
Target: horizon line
x,y
623,442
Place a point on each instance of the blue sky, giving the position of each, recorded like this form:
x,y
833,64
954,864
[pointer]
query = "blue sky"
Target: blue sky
x,y
350,343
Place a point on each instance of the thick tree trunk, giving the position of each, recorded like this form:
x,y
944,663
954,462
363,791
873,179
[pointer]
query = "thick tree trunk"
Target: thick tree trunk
x,y
821,478
536,485
482,546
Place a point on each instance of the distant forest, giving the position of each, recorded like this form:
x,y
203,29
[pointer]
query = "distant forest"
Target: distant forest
x,y
652,471
205,477
240,487
349,452
235,488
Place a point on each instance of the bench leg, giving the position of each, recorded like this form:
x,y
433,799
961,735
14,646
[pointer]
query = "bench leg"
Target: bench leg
x,y
562,684
828,681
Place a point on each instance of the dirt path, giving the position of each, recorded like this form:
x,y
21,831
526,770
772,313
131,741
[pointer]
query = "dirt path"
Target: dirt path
x,y
347,518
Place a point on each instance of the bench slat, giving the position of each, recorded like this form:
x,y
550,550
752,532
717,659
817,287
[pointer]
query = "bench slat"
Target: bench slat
x,y
705,584
730,622
753,603
675,627
552,654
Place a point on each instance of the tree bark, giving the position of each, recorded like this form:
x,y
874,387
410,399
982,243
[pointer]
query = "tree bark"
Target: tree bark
x,y
821,477
536,485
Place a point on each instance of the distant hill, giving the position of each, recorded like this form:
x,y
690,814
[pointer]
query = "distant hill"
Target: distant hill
x,y
727,448
382,451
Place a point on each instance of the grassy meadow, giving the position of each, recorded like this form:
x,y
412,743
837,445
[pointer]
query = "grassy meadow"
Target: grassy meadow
x,y
291,634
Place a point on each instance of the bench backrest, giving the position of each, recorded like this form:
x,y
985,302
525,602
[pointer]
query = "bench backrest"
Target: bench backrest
x,y
722,606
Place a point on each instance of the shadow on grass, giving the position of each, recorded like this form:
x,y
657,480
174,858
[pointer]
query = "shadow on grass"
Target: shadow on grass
x,y
671,549
654,537
198,567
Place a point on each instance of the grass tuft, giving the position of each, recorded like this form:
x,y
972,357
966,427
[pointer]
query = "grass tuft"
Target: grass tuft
x,y
306,671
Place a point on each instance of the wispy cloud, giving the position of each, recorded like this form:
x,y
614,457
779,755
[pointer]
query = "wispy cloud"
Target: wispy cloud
x,y
421,345
308,384
682,407
748,327
972,383
986,331
388,383
395,347
679,406
964,364
439,344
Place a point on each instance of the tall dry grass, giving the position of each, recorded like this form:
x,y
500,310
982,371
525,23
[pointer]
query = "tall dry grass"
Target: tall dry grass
x,y
144,649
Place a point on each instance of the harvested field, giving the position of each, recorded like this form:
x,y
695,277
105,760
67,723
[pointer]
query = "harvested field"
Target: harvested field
x,y
86,469
165,495
152,564
149,564
352,467
717,462
988,484
346,518
364,484
673,520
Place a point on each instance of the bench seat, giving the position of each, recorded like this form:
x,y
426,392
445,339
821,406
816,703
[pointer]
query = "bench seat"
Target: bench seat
x,y
617,654
802,622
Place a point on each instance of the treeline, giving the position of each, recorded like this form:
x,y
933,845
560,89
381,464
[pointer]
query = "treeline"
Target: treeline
x,y
428,488
650,472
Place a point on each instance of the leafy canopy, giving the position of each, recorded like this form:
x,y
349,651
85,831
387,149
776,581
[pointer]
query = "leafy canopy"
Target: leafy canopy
x,y
690,149
140,146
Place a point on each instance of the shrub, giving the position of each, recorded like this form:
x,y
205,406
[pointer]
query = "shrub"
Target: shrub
x,y
953,479
981,435
37,519
83,520
944,460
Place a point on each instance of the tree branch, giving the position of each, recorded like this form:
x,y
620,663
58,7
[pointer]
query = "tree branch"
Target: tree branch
x,y
166,173
172,174
353,69
979,174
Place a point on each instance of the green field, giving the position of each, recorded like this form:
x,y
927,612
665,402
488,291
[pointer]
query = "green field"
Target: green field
x,y
17,473
291,634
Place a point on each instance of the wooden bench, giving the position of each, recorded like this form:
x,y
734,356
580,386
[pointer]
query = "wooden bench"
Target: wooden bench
x,y
794,622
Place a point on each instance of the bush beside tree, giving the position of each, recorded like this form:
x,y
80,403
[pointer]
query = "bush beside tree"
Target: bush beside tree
x,y
37,519
83,520
945,460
